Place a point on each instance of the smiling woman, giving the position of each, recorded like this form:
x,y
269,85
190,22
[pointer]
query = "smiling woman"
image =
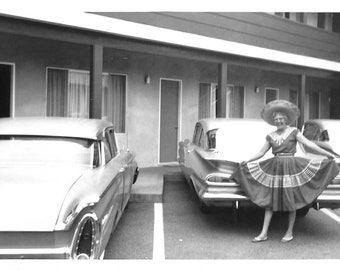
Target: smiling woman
x,y
284,182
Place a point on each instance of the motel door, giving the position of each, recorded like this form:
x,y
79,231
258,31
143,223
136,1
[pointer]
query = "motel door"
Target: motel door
x,y
5,90
169,120
334,105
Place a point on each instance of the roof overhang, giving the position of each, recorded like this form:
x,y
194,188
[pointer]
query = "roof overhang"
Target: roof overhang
x,y
98,23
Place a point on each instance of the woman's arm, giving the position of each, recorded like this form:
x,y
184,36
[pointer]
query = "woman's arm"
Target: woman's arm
x,y
303,140
260,154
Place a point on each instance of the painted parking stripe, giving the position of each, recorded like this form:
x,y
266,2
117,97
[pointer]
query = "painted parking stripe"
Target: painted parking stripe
x,y
331,214
158,235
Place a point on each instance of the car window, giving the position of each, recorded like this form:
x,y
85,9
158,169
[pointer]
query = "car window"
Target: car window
x,y
211,136
47,151
201,139
197,134
195,137
107,150
313,132
110,136
96,155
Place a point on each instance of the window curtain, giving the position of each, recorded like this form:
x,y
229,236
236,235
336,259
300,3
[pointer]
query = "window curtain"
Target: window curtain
x,y
238,101
204,101
78,95
114,98
56,92
235,101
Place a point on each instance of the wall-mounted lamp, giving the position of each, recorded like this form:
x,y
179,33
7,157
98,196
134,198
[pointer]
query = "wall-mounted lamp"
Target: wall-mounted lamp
x,y
147,79
257,89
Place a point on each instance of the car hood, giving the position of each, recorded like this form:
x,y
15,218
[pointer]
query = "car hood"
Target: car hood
x,y
31,198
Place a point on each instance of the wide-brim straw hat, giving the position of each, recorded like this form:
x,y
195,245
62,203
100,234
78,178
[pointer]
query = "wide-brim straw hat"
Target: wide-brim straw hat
x,y
284,106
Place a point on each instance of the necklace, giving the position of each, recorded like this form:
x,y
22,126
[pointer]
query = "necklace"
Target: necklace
x,y
279,136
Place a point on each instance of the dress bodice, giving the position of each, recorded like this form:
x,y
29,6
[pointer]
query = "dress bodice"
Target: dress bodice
x,y
285,143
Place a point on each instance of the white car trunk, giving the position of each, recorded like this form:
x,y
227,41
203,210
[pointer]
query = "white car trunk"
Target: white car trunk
x,y
31,198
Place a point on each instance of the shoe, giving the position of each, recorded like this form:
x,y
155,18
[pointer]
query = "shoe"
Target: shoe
x,y
287,239
259,239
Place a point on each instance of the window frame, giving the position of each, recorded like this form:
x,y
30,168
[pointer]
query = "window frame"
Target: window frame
x,y
277,90
126,96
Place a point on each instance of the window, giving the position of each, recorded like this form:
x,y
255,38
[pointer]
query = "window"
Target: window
x,y
271,94
313,105
235,101
207,100
321,20
107,150
110,135
300,17
68,93
293,96
201,139
211,134
313,132
197,134
114,100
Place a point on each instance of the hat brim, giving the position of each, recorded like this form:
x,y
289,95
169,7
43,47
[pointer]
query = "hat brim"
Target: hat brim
x,y
284,106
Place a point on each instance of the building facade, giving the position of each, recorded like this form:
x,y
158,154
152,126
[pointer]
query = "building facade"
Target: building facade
x,y
155,85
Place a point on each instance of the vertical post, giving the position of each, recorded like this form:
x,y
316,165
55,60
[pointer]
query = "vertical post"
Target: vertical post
x,y
221,91
96,81
301,100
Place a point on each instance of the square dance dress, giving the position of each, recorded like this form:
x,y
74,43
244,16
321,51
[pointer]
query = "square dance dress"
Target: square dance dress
x,y
285,182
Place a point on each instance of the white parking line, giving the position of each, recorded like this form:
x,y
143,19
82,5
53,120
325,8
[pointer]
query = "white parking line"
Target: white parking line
x,y
158,233
331,214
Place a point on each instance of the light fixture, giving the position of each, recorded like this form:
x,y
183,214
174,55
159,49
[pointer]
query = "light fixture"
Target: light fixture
x,y
147,79
257,89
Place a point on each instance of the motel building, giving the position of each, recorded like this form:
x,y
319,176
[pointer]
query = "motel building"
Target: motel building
x,y
154,74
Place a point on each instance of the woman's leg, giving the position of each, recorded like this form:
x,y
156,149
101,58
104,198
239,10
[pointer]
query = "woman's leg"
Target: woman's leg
x,y
291,221
267,218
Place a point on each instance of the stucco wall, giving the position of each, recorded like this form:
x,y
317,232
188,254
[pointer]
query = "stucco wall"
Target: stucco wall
x,y
32,56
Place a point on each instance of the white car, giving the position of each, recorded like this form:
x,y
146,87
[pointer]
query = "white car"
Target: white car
x,y
64,186
217,148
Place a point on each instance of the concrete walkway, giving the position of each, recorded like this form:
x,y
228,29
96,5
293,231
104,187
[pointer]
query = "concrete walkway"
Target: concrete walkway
x,y
150,182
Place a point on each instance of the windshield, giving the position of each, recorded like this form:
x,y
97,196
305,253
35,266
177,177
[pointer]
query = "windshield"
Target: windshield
x,y
51,151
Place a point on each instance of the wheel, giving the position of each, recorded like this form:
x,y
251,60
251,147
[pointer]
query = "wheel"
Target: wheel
x,y
85,244
303,211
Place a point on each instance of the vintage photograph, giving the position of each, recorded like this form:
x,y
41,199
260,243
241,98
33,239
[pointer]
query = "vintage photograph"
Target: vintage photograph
x,y
161,133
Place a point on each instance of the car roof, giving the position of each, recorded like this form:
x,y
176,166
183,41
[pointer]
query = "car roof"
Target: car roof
x,y
54,126
213,123
325,123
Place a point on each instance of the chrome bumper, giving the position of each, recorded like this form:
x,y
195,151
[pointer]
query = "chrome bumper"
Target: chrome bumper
x,y
35,253
231,194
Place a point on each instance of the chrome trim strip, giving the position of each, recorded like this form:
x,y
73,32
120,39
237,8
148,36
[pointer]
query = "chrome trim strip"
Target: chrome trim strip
x,y
229,196
33,251
331,198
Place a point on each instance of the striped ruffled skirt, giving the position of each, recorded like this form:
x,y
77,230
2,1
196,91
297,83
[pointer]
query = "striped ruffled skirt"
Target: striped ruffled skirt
x,y
285,183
